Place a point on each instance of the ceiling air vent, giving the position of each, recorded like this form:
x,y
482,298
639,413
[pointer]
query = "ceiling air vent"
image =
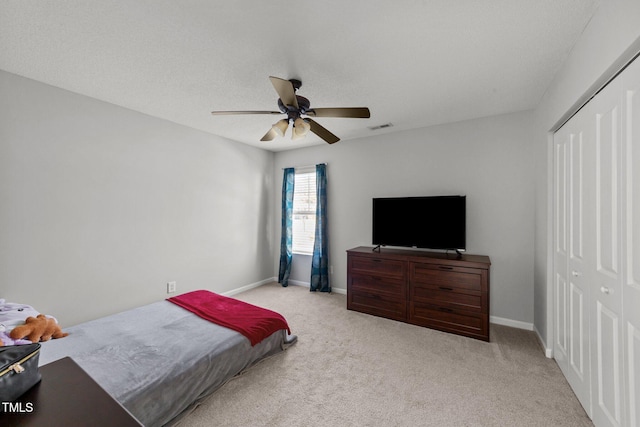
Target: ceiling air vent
x,y
386,125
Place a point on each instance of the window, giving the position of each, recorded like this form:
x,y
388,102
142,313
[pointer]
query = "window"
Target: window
x,y
304,211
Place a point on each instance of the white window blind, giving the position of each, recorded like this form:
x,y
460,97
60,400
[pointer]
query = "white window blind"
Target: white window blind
x,y
304,212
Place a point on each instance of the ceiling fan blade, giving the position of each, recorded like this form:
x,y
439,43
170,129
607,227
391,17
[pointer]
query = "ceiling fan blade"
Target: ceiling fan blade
x,y
285,90
226,113
322,132
349,112
269,135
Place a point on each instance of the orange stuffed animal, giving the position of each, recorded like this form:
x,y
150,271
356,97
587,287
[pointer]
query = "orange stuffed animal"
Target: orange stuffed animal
x,y
40,328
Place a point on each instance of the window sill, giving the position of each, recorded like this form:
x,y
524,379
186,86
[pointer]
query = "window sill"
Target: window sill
x,y
303,253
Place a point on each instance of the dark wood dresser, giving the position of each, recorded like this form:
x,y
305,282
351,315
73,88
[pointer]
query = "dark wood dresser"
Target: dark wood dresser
x,y
437,290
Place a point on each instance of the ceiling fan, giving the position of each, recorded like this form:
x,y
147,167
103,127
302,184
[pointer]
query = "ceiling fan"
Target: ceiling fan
x,y
295,107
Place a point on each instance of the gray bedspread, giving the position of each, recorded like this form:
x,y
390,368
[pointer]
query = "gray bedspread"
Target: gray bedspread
x,y
160,360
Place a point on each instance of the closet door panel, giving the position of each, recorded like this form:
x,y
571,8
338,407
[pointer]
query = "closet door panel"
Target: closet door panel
x,y
579,345
580,204
606,284
607,146
631,237
608,382
561,139
574,253
560,347
633,375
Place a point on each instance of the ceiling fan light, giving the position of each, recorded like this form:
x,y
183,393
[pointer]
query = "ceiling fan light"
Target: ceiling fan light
x,y
280,127
300,127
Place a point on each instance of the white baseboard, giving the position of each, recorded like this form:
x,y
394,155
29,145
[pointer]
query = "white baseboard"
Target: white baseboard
x,y
513,323
250,286
298,283
306,285
275,279
547,351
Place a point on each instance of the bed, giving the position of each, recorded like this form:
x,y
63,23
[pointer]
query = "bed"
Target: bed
x,y
161,360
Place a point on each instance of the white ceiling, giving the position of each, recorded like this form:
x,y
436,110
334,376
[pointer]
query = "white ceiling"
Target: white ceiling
x,y
413,63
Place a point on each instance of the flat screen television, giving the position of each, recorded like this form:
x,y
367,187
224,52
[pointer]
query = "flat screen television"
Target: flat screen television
x,y
435,222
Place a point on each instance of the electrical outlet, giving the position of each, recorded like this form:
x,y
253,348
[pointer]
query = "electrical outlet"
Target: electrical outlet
x,y
171,287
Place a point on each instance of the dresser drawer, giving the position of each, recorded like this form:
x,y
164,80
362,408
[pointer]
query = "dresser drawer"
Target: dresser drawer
x,y
459,278
377,266
378,304
378,284
449,320
450,297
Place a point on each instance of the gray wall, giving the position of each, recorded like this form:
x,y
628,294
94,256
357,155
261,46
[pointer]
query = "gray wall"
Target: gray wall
x,y
488,160
101,206
610,39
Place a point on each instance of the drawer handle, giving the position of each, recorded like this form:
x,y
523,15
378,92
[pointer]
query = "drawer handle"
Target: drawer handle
x,y
376,260
444,288
447,310
444,267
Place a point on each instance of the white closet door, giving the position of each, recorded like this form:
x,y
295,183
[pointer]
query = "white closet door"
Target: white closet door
x,y
561,220
581,204
630,187
606,283
597,252
575,174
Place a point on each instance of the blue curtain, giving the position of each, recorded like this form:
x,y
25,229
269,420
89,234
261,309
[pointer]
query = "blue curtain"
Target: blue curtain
x,y
286,253
320,259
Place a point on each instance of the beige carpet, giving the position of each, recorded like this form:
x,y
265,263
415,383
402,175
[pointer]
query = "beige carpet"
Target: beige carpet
x,y
352,369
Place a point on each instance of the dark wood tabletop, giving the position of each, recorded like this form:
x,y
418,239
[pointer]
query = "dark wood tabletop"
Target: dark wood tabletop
x,y
66,396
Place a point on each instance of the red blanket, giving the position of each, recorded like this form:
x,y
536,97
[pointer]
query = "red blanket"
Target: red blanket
x,y
255,323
